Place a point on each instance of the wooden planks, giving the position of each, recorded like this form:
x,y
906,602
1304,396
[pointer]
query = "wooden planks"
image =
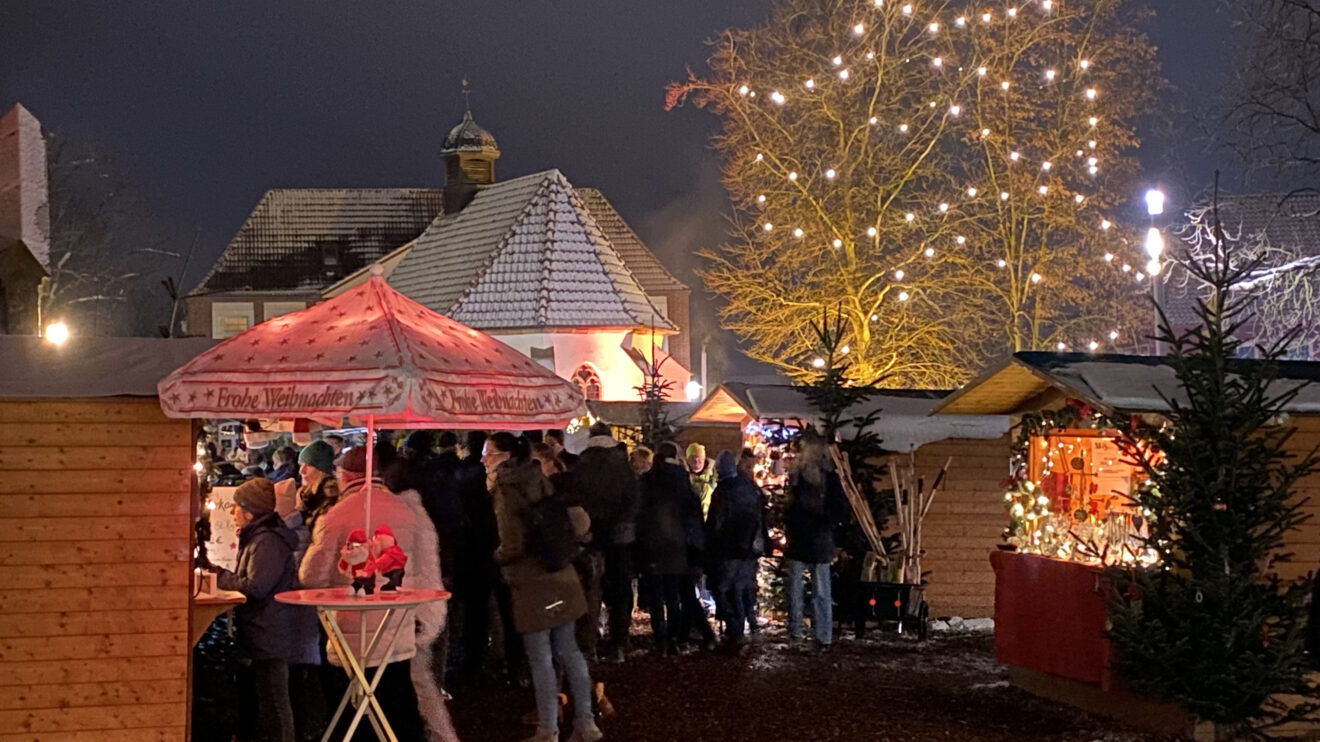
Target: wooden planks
x,y
95,544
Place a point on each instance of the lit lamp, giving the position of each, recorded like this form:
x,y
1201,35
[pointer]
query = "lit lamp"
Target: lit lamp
x,y
1154,249
1154,202
57,333
1154,252
693,390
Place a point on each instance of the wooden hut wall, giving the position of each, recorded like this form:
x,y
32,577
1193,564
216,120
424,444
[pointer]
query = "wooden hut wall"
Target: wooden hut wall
x,y
95,540
965,524
1304,544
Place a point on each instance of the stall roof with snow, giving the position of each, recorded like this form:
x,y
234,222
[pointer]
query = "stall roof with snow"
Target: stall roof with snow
x,y
904,423
91,366
1114,383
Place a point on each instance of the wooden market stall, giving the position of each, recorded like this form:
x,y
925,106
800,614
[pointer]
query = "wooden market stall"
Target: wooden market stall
x,y
95,541
1067,514
962,524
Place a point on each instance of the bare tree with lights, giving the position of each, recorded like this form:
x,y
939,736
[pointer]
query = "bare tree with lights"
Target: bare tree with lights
x,y
942,172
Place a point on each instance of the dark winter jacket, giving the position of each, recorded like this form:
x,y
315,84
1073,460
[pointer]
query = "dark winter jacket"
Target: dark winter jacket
x,y
434,476
283,472
813,512
475,539
668,505
734,525
608,490
541,600
267,629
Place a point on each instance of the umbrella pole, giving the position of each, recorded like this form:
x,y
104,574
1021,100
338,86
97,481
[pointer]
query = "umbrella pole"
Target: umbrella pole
x,y
371,456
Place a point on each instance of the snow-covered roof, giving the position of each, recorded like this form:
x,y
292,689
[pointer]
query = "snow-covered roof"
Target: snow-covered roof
x,y
525,254
91,366
904,423
1117,383
645,266
306,238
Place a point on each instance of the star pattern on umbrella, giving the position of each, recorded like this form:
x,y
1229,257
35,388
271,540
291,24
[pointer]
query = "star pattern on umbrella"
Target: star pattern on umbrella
x,y
174,398
250,359
210,393
192,396
319,356
255,342
219,357
284,341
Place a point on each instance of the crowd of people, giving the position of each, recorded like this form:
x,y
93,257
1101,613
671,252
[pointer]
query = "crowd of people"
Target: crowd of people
x,y
536,543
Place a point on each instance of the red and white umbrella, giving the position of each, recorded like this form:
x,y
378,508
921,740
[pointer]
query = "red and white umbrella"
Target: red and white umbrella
x,y
371,356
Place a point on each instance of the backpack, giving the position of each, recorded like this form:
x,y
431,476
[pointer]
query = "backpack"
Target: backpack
x,y
550,538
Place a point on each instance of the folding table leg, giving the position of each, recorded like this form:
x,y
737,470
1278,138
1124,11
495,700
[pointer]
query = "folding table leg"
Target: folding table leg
x,y
367,705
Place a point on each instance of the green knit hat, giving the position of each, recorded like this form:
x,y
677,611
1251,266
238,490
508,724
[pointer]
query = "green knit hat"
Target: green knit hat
x,y
318,455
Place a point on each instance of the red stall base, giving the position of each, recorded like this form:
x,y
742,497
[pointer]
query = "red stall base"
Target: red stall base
x,y
1050,617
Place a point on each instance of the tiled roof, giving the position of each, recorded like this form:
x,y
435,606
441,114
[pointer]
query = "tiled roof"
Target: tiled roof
x,y
645,266
525,254
284,243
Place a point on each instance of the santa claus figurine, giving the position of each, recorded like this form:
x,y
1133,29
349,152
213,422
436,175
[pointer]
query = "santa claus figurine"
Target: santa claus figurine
x,y
355,560
390,559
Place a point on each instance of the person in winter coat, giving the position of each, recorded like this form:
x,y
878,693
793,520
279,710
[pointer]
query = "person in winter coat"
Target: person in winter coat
x,y
545,604
816,506
702,473
408,691
735,537
270,634
608,489
667,504
286,465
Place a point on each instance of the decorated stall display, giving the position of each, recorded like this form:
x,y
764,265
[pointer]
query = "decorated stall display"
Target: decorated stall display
x,y
356,561
1070,495
390,559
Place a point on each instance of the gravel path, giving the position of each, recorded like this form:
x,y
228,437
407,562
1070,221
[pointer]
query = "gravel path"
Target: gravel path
x,y
884,688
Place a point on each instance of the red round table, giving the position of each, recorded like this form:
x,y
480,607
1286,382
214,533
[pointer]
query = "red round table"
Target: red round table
x,y
396,607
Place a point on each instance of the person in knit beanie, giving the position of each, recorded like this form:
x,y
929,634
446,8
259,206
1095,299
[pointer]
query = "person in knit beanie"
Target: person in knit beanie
x,y
271,634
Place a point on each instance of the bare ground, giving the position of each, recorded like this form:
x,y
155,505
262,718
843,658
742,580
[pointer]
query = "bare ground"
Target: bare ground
x,y
883,688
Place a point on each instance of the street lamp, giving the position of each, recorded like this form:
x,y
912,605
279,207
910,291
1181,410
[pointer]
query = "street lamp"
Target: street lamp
x,y
693,390
1154,202
57,333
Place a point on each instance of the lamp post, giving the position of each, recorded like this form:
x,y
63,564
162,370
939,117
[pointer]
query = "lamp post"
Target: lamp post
x,y
1154,255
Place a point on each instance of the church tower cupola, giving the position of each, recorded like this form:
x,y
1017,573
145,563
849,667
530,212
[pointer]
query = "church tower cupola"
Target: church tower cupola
x,y
470,153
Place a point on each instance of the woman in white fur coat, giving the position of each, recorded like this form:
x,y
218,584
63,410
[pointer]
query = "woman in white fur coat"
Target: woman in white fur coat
x,y
408,693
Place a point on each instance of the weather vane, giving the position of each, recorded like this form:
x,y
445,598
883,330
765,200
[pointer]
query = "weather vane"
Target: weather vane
x,y
467,95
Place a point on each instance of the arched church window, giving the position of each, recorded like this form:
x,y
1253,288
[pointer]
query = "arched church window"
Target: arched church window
x,y
588,381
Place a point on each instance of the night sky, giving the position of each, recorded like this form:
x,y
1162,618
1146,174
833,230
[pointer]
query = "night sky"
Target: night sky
x,y
206,105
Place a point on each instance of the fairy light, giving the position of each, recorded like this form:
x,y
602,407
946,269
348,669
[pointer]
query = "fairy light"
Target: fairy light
x,y
1109,257
1003,195
829,174
898,274
837,243
778,97
1079,198
1106,224
1037,278
960,240
768,227
874,120
1113,334
859,29
798,233
909,216
843,74
742,90
1062,345
1093,345
792,175
930,252
870,231
971,192
981,71
1046,165
1091,93
944,208
903,296
809,84
1084,64
1002,263
903,128
934,27
1049,74
838,60
818,363
1043,190
1093,120
907,9
985,17
1005,85
1015,156
1012,12
955,109
960,21
938,61
760,199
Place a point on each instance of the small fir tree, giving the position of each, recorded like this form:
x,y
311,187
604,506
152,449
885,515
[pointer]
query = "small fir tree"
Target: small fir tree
x,y
654,392
1212,626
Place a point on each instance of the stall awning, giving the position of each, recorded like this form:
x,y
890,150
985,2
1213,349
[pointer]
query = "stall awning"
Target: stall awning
x,y
1115,383
91,366
904,423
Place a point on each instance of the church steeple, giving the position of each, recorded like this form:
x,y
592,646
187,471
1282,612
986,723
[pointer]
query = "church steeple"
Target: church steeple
x,y
469,153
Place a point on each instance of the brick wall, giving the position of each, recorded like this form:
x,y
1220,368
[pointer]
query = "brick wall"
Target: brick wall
x,y
680,345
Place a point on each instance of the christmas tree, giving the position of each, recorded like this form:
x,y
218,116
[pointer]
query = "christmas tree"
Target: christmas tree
x,y
1212,626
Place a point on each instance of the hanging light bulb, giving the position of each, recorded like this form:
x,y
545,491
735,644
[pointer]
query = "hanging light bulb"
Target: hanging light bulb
x,y
971,192
981,71
1037,278
1153,267
1002,263
809,84
843,74
829,174
859,29
818,363
837,243
898,274
944,208
1154,243
838,60
1079,198
960,240
903,296
760,199
1091,93
1106,224
1043,190
1003,195
742,90
798,233
768,226
907,9
792,175
870,231
930,252
1046,165
934,27
778,97
874,120
1049,74
938,61
903,128
1109,257
1005,84
909,216
1014,156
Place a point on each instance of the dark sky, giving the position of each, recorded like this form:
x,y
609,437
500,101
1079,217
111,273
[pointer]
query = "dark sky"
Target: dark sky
x,y
206,105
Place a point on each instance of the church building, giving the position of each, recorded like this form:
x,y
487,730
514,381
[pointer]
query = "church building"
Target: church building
x,y
548,268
